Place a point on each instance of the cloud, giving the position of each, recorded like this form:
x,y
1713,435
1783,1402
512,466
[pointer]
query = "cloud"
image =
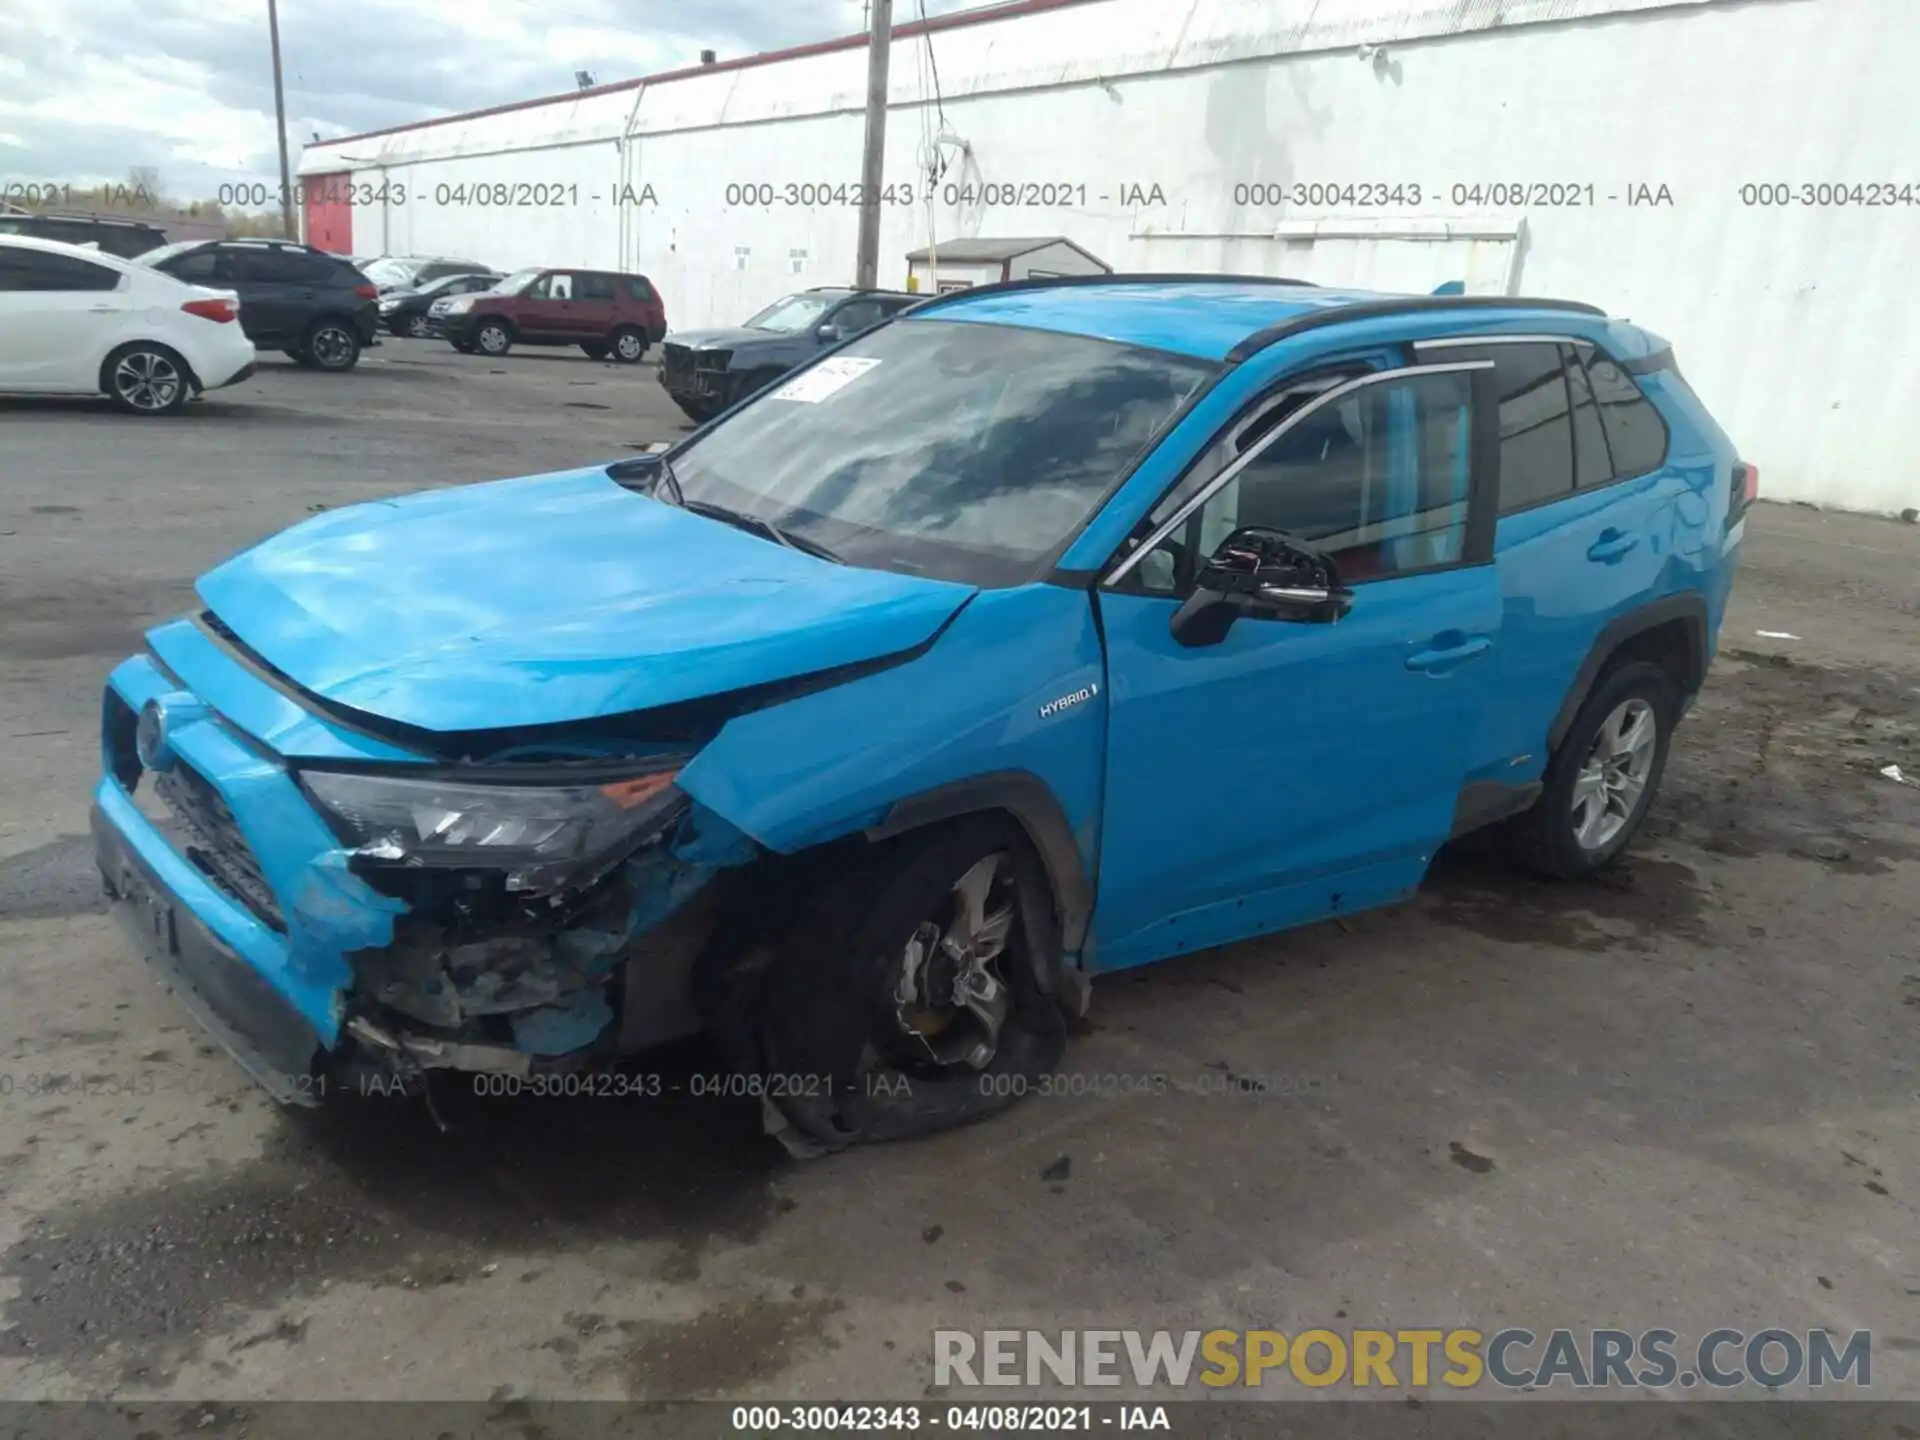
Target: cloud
x,y
186,86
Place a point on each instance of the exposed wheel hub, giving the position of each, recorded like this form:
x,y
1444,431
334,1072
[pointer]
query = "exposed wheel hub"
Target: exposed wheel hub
x,y
950,998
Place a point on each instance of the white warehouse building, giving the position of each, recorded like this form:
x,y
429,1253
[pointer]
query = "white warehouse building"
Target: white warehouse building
x,y
1741,176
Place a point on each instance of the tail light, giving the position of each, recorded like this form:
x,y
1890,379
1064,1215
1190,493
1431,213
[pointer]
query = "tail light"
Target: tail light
x,y
366,292
1746,489
222,310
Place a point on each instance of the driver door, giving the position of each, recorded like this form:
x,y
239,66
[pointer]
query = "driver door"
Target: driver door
x,y
1298,769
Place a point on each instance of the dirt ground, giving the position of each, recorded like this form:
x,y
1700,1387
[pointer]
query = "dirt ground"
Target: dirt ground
x,y
1683,1095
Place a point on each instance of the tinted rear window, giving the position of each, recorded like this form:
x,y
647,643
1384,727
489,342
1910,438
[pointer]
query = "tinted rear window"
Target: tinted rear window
x,y
1636,434
1591,464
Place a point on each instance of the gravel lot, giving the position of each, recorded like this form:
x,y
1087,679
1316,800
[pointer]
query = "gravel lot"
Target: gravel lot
x,y
1684,1096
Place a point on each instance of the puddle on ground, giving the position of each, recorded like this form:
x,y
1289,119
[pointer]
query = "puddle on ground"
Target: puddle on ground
x,y
1633,905
718,1352
374,1193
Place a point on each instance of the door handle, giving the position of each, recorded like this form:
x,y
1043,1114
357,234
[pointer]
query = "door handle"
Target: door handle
x,y
1441,659
101,309
1611,545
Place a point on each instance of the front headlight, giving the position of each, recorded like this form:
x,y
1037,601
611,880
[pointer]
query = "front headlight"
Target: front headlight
x,y
389,304
543,836
459,306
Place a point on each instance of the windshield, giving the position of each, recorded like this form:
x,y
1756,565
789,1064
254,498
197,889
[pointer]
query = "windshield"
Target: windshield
x,y
517,281
165,252
962,451
791,315
389,272
447,282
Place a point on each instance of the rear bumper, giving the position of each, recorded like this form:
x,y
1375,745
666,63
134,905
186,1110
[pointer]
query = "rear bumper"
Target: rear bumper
x,y
228,362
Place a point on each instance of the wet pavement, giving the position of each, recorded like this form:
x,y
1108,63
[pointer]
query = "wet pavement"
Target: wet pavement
x,y
1684,1094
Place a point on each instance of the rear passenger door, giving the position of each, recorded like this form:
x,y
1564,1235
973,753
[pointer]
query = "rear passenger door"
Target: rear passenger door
x,y
1587,524
278,294
592,315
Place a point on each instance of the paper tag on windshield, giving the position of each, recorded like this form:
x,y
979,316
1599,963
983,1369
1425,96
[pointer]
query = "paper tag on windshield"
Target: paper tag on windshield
x,y
829,377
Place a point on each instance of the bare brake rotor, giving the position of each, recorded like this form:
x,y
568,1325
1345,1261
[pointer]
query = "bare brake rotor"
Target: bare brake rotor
x,y
950,997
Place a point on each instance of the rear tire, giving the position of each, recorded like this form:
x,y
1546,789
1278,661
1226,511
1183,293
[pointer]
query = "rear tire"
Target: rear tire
x,y
145,378
331,344
629,345
859,1034
1603,777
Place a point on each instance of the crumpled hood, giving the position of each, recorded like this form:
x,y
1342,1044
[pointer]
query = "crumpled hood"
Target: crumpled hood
x,y
553,598
734,339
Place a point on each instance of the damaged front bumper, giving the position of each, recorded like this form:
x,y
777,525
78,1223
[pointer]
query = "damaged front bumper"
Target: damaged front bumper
x,y
314,962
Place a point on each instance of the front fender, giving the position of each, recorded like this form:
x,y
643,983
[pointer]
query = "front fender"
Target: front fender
x,y
972,722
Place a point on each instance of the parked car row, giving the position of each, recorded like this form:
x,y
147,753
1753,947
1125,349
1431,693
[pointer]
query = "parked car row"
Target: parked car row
x,y
80,321
323,309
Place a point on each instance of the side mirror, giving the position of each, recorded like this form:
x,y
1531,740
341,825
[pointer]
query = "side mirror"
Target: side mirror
x,y
1260,573
830,333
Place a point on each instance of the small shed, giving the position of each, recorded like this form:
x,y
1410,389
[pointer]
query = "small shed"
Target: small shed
x,y
982,261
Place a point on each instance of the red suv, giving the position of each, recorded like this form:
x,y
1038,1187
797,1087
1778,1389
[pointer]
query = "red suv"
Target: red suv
x,y
604,312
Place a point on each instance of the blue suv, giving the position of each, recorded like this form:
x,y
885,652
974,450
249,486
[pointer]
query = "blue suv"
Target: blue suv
x,y
1049,629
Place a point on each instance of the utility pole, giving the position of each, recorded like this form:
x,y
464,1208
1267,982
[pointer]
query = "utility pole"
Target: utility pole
x,y
866,270
280,124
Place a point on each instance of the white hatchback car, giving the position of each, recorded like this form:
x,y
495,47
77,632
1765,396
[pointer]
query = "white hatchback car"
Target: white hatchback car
x,y
75,321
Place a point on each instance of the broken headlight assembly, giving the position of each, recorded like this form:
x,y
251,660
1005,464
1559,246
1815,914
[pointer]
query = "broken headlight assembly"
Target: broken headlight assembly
x,y
540,836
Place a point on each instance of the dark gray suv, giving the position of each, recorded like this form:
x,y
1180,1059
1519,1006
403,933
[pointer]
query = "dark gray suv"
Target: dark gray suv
x,y
705,371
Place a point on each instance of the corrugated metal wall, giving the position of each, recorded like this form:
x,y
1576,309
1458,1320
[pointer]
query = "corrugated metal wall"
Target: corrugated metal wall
x,y
1590,148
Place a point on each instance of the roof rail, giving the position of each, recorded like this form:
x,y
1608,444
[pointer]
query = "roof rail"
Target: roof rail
x,y
1135,277
1396,305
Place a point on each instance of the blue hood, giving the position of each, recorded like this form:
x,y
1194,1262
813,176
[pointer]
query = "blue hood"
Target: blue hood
x,y
554,598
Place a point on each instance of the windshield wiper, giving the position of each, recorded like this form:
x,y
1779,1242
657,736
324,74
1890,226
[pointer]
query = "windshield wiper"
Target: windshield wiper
x,y
624,470
756,524
668,482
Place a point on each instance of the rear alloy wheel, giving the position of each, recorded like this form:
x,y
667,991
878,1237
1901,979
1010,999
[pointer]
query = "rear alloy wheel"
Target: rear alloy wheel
x,y
332,345
148,380
1603,776
629,345
912,997
419,327
1612,783
492,339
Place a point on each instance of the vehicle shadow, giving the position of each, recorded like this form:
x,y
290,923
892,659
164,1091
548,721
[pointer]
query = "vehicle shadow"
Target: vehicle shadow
x,y
373,1192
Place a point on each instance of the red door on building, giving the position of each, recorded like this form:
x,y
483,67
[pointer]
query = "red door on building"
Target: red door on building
x,y
328,201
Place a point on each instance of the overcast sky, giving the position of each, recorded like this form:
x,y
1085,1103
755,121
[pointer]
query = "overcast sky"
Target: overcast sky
x,y
90,89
